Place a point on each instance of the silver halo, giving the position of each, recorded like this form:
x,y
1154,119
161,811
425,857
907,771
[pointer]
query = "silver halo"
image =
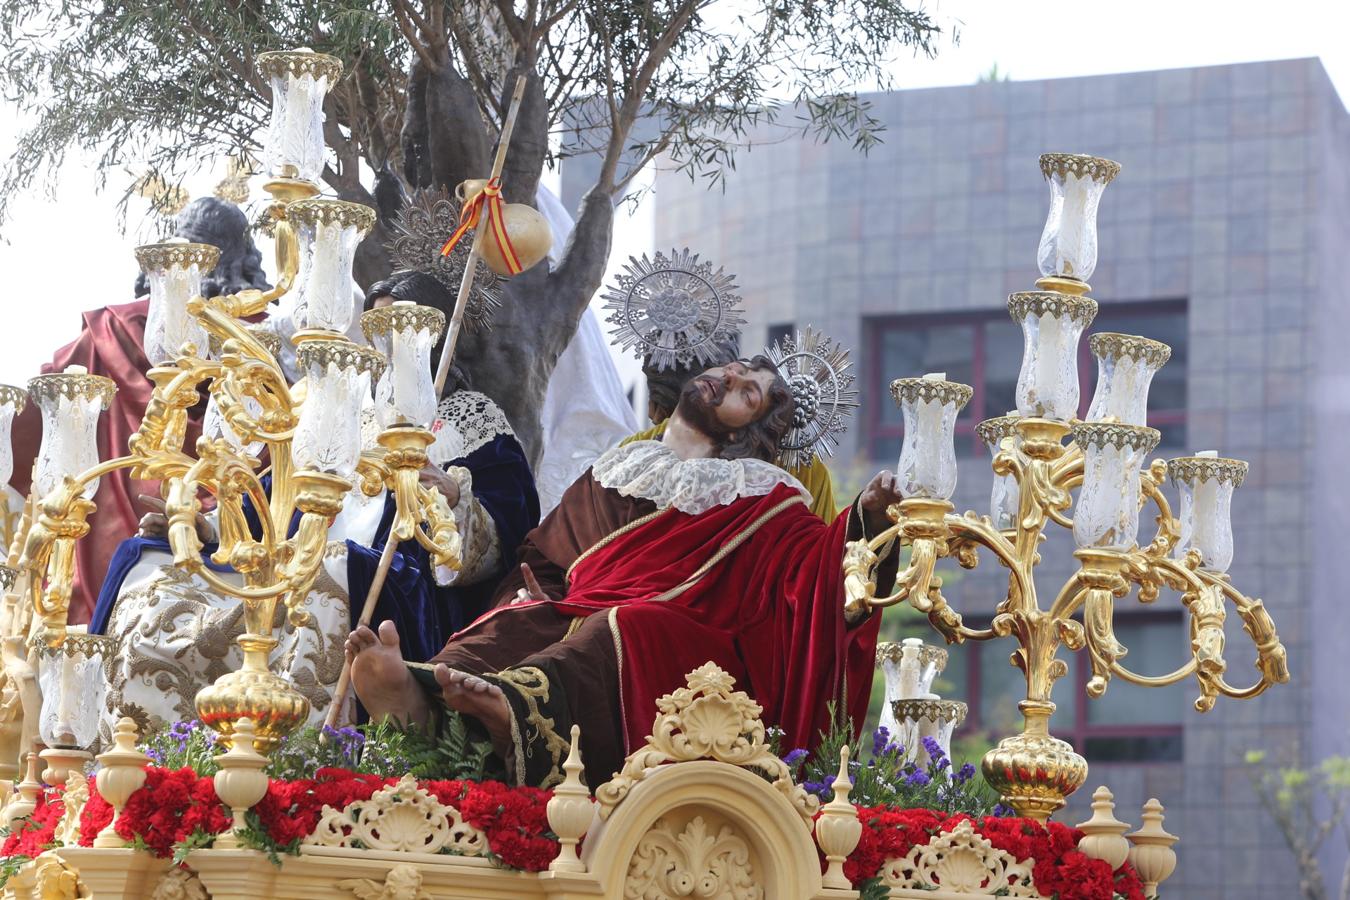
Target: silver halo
x,y
817,371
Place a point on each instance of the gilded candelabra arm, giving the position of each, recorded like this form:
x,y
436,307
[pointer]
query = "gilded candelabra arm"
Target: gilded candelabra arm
x,y
971,531
251,301
1065,473
243,377
405,456
443,541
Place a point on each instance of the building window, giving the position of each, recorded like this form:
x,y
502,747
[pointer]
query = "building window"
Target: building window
x,y
1128,724
984,350
779,333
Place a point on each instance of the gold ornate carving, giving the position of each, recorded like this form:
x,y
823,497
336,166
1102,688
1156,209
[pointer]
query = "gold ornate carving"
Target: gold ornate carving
x,y
1199,469
960,862
929,654
993,431
403,882
1052,303
343,354
176,254
280,63
1109,344
48,877
402,818
1113,434
15,396
397,317
933,710
180,884
1061,165
74,799
72,386
692,861
706,720
343,213
910,390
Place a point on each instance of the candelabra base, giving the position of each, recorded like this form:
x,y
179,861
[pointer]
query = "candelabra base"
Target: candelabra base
x,y
253,692
1033,771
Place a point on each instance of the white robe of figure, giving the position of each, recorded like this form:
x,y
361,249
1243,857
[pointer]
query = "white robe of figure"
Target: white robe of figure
x,y
585,408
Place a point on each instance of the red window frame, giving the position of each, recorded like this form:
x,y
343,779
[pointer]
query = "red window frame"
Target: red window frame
x,y
968,444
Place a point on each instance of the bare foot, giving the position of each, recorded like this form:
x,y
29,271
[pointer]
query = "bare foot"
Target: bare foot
x,y
473,696
382,681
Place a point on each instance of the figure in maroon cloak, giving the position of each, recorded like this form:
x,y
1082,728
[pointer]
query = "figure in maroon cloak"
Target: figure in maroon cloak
x,y
663,556
112,343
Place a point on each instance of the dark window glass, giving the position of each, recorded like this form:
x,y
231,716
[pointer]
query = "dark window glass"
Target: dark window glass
x,y
779,333
1143,749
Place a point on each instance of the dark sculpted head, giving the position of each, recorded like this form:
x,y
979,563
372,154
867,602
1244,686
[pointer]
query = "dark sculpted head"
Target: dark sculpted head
x,y
664,386
745,406
210,220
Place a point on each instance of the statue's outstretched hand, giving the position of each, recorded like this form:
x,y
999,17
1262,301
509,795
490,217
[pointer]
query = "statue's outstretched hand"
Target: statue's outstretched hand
x,y
531,592
155,524
881,492
433,476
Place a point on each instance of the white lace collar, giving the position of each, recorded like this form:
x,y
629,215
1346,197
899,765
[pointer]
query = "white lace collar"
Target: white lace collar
x,y
465,421
651,470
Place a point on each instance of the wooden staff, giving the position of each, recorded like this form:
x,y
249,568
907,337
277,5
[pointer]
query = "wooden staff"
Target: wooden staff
x,y
475,250
442,371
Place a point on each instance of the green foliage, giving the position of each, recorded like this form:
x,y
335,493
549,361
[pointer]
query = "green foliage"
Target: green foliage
x,y
874,889
1309,806
172,86
255,836
198,840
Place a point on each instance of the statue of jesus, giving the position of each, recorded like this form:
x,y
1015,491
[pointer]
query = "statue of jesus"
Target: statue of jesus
x,y
663,556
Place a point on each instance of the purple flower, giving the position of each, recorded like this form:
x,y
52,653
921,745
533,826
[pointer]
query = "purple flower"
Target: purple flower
x,y
894,749
794,758
934,748
819,788
880,738
918,779
942,763
1003,812
965,773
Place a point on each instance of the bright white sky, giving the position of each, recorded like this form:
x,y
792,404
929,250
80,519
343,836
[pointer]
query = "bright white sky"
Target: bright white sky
x,y
64,255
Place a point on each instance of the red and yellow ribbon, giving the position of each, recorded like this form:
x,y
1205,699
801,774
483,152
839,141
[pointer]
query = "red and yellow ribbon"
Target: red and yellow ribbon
x,y
489,198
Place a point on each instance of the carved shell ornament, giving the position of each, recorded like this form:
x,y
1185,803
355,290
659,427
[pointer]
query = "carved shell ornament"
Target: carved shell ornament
x,y
676,310
817,371
422,227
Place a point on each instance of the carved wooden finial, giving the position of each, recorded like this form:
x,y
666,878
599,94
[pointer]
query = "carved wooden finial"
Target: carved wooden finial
x,y
1152,855
25,799
570,810
241,782
838,829
1104,834
121,773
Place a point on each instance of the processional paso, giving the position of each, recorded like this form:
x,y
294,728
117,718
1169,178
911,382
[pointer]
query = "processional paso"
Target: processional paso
x,y
1035,472
306,437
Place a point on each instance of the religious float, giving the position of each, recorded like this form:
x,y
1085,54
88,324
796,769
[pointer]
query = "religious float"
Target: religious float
x,y
707,807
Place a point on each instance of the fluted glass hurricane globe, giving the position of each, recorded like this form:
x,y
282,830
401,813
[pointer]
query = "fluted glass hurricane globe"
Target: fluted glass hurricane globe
x,y
1052,324
929,405
1069,242
71,402
174,270
404,333
1206,483
1107,513
1126,364
339,376
294,145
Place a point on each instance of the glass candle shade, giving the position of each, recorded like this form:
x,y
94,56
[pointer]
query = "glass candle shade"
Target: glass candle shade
x,y
927,466
294,146
1206,484
404,333
328,231
1107,514
1126,364
71,402
1003,497
1069,242
909,668
1052,323
12,401
339,376
73,690
174,270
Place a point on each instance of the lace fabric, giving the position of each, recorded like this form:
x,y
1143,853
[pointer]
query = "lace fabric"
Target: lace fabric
x,y
465,421
651,471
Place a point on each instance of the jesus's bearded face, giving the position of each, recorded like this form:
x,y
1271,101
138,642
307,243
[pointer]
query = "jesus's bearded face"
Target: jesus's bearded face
x,y
744,406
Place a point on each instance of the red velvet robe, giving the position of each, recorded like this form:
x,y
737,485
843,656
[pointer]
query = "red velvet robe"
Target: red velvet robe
x,y
755,586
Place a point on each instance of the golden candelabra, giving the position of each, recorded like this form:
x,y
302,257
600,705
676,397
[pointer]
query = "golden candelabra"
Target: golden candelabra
x,y
258,406
1036,469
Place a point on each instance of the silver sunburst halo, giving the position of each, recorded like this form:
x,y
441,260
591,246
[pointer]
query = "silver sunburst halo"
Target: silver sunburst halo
x,y
422,227
675,310
817,370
